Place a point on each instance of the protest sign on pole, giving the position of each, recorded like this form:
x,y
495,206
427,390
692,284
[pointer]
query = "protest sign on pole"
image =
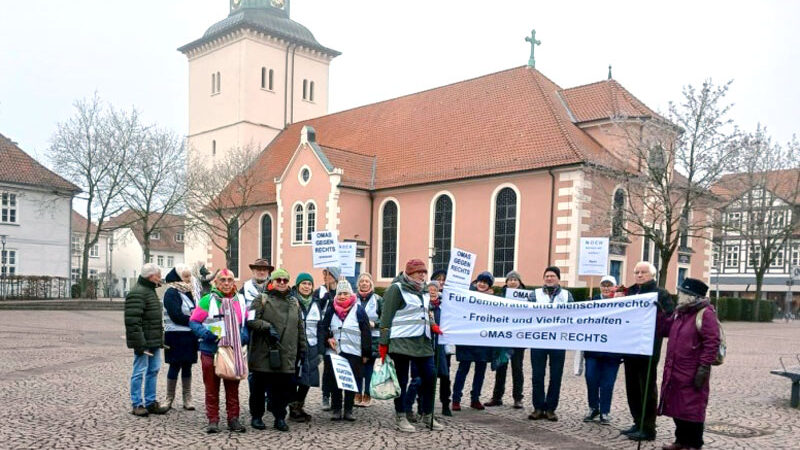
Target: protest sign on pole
x,y
343,373
518,294
325,249
460,268
347,258
619,325
593,257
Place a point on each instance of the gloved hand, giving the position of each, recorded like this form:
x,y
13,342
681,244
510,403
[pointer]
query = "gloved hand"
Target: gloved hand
x,y
273,335
436,330
382,351
702,376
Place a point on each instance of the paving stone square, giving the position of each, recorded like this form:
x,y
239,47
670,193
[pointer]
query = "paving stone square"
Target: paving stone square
x,y
64,384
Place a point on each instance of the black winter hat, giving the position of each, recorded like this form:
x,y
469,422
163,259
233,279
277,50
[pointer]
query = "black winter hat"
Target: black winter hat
x,y
694,287
553,269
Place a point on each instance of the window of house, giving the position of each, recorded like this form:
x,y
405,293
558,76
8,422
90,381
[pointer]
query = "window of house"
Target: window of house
x,y
170,261
776,219
311,220
213,83
754,256
155,236
305,175
93,274
715,256
219,82
684,231
618,214
311,92
735,220
442,232
263,78
8,207
76,243
94,252
777,257
179,236
682,271
75,274
233,247
389,219
505,231
150,259
646,249
266,237
795,255
160,261
731,256
305,89
616,270
8,262
299,216
270,78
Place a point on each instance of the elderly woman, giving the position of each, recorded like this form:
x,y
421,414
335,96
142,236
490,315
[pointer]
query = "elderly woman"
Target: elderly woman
x,y
513,281
694,340
309,372
373,305
180,342
601,368
218,320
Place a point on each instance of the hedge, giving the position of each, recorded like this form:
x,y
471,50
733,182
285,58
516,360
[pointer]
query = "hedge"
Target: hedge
x,y
743,309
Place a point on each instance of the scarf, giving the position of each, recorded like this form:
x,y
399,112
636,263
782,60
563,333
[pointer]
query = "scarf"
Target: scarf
x,y
182,286
343,307
414,284
436,301
232,337
305,301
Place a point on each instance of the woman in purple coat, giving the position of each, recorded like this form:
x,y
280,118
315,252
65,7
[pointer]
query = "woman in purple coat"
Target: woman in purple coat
x,y
687,367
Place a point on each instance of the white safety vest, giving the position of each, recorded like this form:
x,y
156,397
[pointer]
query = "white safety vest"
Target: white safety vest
x,y
187,306
312,319
372,313
347,333
541,297
413,320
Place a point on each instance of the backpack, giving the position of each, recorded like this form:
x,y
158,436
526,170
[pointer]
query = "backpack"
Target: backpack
x,y
721,351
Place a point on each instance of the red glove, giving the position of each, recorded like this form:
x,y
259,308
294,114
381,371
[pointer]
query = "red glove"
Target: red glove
x,y
383,350
435,328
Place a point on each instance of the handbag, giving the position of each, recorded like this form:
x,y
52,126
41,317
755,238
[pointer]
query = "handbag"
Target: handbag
x,y
384,384
224,365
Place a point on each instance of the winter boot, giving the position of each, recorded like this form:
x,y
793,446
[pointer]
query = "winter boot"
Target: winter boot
x,y
402,423
186,385
304,416
171,385
426,422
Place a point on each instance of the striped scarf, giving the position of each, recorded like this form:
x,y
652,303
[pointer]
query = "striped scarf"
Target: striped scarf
x,y
232,337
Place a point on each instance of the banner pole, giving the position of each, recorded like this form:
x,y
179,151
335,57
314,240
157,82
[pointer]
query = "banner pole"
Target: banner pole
x,y
435,376
591,287
644,398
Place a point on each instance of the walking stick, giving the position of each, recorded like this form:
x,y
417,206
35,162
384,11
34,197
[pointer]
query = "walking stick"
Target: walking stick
x,y
435,377
644,400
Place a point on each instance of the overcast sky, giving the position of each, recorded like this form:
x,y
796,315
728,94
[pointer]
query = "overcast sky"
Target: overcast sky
x,y
53,52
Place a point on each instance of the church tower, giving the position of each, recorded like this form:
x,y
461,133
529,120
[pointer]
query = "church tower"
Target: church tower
x,y
250,75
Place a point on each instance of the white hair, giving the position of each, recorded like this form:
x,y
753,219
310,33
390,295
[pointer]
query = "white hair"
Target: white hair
x,y
180,269
150,269
650,267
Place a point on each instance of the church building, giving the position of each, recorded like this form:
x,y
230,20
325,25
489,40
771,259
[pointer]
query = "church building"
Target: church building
x,y
497,165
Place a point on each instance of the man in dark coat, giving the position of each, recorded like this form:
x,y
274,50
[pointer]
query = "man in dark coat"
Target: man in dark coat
x,y
638,386
144,333
692,349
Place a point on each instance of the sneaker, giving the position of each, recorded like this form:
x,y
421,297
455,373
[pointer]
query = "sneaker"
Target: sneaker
x,y
348,416
446,410
212,428
494,402
477,405
258,424
336,415
551,416
426,422
235,426
456,406
140,411
536,415
326,403
155,408
605,419
280,425
412,417
593,413
633,429
518,404
402,423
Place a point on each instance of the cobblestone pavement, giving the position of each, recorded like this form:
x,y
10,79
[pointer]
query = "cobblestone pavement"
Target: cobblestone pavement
x,y
64,384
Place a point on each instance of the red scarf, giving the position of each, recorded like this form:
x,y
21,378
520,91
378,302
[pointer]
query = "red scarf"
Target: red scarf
x,y
343,307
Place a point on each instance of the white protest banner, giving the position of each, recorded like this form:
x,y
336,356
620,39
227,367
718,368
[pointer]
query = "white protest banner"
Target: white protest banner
x,y
619,325
347,258
518,294
593,257
344,374
459,271
325,249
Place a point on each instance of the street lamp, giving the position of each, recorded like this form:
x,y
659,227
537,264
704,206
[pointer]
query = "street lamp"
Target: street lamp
x,y
3,258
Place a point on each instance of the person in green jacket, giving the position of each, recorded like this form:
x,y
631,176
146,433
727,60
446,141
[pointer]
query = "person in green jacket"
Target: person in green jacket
x,y
406,330
144,333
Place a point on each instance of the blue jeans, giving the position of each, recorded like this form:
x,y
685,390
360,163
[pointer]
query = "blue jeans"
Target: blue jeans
x,y
145,368
426,372
601,374
539,357
477,380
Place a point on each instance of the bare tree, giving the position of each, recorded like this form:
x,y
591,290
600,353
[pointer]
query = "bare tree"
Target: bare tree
x,y
761,212
219,198
666,169
93,150
156,183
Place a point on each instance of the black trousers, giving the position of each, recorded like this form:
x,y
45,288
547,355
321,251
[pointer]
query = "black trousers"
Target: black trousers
x,y
635,382
336,393
300,393
517,378
279,388
689,434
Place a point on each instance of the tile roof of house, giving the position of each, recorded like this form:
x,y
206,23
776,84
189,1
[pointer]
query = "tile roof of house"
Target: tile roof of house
x,y
168,227
602,100
783,183
509,121
79,223
17,167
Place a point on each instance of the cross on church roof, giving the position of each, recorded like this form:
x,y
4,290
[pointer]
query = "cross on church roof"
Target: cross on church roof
x,y
534,43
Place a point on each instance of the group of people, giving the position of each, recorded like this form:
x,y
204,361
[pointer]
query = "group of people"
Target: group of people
x,y
280,332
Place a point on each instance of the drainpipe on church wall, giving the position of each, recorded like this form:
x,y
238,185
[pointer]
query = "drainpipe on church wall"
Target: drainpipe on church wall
x,y
371,223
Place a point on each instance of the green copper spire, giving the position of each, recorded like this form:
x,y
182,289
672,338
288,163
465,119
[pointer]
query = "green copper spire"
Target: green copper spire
x,y
609,71
534,43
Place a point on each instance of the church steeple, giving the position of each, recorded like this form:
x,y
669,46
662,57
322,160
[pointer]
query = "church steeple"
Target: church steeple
x,y
277,6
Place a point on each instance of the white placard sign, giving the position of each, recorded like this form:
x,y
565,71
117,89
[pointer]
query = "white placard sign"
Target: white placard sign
x,y
344,374
593,259
459,271
325,249
518,294
619,325
347,258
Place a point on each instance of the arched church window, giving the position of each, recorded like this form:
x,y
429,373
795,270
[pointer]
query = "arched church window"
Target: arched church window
x,y
266,237
311,92
442,232
389,240
505,231
311,219
305,89
618,214
233,247
298,223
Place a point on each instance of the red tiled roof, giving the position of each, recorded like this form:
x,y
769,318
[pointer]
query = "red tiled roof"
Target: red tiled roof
x,y
169,225
603,100
79,223
783,183
18,167
357,170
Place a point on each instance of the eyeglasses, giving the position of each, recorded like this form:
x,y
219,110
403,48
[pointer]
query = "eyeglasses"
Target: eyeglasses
x,y
225,280
281,280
